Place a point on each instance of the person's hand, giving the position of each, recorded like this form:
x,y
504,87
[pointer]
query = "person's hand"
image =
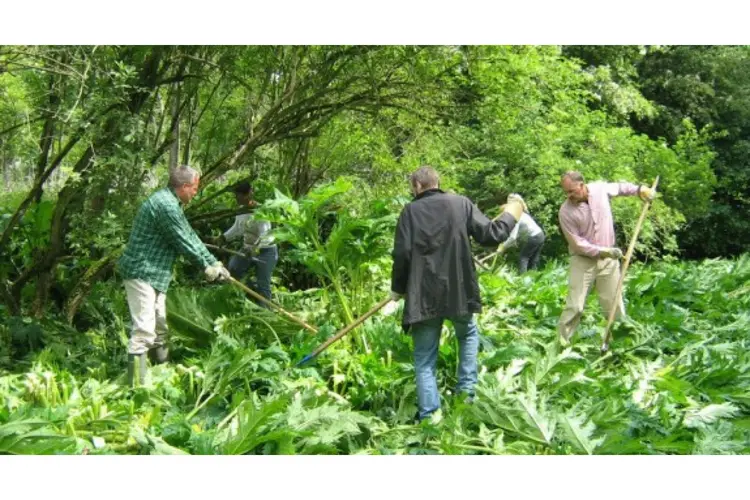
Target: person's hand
x,y
395,296
217,272
646,193
610,253
517,197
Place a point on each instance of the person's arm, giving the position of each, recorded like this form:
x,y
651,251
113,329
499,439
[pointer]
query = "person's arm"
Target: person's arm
x,y
236,230
645,193
579,244
621,189
513,238
176,229
401,254
487,232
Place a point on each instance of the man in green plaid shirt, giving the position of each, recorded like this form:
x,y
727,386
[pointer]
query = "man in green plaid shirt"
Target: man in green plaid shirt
x,y
160,233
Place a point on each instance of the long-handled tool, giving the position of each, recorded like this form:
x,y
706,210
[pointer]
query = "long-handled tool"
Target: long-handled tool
x,y
489,256
226,250
344,331
481,262
628,255
278,308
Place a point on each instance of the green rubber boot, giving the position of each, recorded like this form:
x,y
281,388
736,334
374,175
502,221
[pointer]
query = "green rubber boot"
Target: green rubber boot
x,y
141,359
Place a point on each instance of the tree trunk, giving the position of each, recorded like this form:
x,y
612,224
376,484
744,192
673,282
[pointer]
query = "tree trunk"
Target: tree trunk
x,y
47,137
174,151
82,288
6,170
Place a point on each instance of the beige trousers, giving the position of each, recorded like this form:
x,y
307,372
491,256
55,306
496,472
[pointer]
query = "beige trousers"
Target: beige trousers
x,y
585,272
148,313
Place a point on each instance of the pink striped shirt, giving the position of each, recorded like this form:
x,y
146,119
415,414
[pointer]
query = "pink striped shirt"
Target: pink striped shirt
x,y
588,227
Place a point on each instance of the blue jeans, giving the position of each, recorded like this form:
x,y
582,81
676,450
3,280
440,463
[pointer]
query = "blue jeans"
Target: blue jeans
x,y
264,264
426,336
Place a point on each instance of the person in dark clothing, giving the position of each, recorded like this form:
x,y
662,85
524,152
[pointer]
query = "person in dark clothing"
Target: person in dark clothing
x,y
434,271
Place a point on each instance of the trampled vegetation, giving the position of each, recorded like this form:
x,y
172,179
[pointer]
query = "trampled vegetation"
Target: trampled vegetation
x,y
677,382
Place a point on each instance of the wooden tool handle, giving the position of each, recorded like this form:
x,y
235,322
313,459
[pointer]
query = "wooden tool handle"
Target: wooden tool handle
x,y
628,255
274,305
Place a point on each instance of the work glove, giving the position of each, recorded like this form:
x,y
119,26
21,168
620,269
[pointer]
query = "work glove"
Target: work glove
x,y
517,197
514,208
217,271
646,193
610,253
395,296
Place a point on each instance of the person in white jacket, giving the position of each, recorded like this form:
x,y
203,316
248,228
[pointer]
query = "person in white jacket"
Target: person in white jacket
x,y
529,236
258,244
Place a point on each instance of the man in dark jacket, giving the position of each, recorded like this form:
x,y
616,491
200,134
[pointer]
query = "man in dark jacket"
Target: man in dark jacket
x,y
434,270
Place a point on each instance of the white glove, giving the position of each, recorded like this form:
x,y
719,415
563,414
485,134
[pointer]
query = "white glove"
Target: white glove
x,y
610,253
390,308
396,296
517,197
217,271
646,193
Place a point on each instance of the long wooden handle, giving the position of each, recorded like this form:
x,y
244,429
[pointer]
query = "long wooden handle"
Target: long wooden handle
x,y
278,308
488,257
222,249
346,330
481,262
628,255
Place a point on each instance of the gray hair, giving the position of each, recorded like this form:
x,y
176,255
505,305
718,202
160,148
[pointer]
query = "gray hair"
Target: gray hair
x,y
573,175
183,174
426,176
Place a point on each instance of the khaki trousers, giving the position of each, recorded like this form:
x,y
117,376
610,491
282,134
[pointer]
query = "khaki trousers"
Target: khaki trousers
x,y
148,312
585,272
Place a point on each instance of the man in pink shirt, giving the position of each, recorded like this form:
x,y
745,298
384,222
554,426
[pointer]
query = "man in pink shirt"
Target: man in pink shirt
x,y
586,222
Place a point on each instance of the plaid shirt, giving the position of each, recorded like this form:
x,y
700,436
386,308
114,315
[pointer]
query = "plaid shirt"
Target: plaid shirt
x,y
160,232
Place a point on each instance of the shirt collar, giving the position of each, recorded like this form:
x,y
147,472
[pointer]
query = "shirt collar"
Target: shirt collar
x,y
171,190
428,192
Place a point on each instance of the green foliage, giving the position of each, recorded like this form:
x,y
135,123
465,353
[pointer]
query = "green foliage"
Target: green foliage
x,y
676,384
535,122
356,246
701,88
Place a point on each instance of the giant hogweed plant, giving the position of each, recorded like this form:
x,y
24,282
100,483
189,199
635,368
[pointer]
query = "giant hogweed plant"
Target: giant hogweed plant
x,y
355,252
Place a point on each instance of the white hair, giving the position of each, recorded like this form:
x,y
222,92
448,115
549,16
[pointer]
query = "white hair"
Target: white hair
x,y
426,176
183,174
